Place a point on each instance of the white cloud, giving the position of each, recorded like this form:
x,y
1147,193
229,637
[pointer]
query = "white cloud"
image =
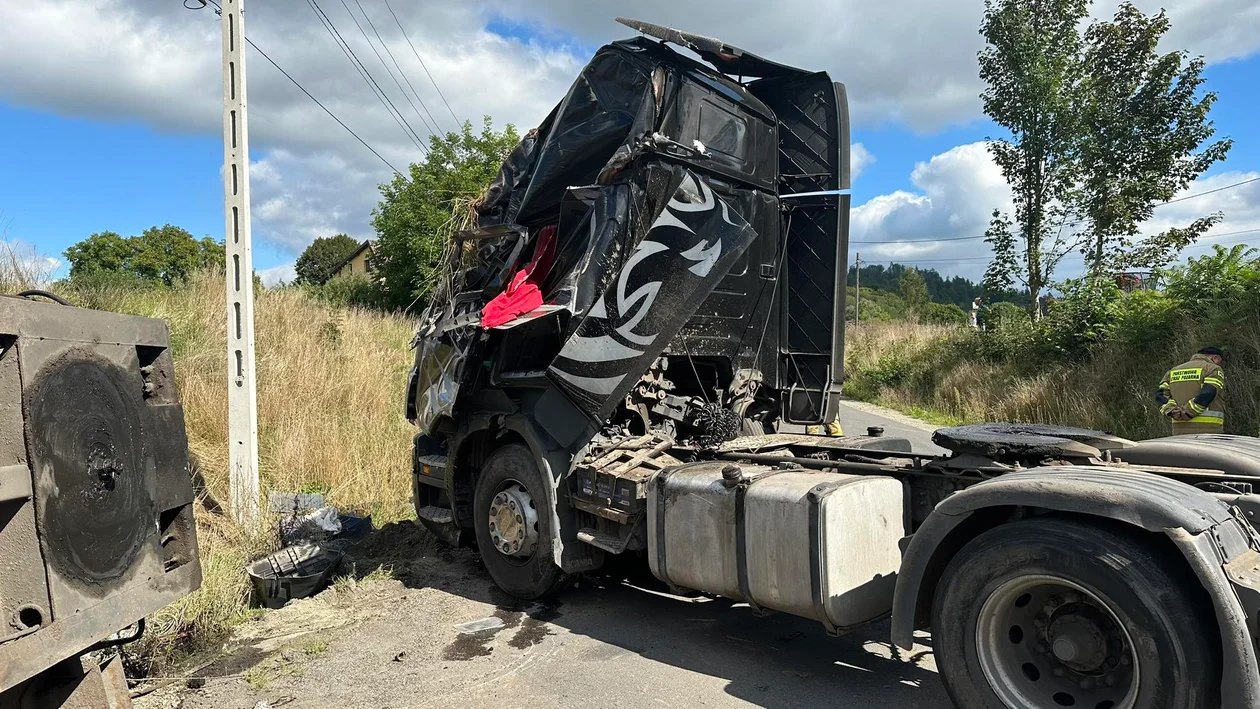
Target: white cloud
x,y
284,273
956,192
1239,206
297,198
907,61
936,225
859,158
160,64
22,264
912,61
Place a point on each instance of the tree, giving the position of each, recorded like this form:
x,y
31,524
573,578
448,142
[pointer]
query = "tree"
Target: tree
x,y
954,289
1144,126
315,265
102,252
1030,65
914,292
164,254
412,217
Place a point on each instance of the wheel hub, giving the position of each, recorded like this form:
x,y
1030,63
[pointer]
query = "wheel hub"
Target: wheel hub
x,y
1076,640
1046,642
514,522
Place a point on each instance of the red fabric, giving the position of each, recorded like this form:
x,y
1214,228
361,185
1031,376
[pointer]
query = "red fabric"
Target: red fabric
x,y
522,294
544,254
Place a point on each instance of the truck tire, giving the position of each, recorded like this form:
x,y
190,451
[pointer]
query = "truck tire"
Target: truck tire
x,y
1047,613
513,533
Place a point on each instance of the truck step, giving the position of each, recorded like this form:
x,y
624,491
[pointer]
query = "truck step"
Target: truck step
x,y
603,540
431,470
437,515
432,461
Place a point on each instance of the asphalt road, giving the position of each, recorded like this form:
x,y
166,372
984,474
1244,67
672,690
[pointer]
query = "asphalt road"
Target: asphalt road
x,y
608,642
603,644
857,416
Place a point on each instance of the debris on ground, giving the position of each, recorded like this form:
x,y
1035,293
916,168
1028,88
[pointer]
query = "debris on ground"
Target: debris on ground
x,y
476,626
293,572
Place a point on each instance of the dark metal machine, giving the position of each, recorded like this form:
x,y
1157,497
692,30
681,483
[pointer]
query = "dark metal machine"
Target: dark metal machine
x,y
96,502
685,224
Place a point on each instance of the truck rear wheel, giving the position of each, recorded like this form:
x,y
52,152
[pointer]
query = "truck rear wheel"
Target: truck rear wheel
x,y
1049,613
512,528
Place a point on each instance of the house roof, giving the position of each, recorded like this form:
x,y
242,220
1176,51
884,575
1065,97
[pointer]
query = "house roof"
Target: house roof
x,y
368,245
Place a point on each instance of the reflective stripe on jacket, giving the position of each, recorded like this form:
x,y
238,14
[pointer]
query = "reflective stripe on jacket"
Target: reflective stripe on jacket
x,y
1185,383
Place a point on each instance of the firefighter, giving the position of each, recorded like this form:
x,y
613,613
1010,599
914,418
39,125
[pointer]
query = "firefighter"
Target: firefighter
x,y
1193,394
832,429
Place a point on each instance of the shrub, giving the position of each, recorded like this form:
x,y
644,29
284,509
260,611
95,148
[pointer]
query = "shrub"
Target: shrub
x,y
350,291
945,314
1000,315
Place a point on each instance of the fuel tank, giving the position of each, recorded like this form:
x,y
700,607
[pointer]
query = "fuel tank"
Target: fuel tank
x,y
814,544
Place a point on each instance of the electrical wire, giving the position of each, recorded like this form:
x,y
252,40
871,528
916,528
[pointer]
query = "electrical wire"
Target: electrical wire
x,y
295,82
1218,189
346,49
435,129
381,59
423,65
1210,244
1061,224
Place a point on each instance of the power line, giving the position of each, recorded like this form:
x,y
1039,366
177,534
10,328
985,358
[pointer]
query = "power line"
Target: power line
x,y
918,241
929,260
271,61
982,259
1079,221
317,103
366,75
423,66
435,129
1218,189
1209,244
381,59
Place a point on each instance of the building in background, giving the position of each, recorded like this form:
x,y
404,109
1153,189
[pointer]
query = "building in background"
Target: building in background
x,y
358,262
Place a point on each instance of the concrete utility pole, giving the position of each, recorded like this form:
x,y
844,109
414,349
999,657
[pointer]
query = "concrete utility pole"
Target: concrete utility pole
x,y
857,290
242,395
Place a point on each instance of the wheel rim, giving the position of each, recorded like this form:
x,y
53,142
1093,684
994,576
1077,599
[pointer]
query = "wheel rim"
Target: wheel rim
x,y
1047,642
513,522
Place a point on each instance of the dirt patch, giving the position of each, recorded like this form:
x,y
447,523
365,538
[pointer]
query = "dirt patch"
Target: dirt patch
x,y
233,663
395,544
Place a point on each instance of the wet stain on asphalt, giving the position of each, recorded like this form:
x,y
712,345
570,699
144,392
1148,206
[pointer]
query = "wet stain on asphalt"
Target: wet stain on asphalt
x,y
466,647
546,614
531,633
511,617
531,629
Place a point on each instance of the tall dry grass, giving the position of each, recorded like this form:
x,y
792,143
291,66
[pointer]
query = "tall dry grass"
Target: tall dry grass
x,y
940,371
330,419
22,268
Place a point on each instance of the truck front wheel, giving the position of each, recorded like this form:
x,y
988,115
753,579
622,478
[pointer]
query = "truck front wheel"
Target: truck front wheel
x,y
1049,613
513,533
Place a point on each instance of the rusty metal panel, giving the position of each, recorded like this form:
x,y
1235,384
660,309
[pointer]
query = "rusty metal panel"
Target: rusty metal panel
x,y
23,586
96,519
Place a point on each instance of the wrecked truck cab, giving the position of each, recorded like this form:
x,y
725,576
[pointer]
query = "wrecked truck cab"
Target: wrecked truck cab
x,y
653,283
685,234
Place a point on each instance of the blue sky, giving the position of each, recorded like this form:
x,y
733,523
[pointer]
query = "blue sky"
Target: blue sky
x,y
82,160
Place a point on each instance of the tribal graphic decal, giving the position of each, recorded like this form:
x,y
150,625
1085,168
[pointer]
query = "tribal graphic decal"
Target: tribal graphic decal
x,y
674,267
